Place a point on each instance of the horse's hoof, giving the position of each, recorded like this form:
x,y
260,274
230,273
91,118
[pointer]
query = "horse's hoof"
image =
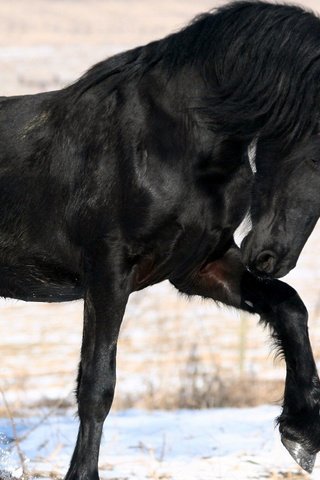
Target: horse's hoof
x,y
303,458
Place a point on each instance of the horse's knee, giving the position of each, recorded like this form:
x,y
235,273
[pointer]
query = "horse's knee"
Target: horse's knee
x,y
95,404
95,394
292,315
280,305
291,303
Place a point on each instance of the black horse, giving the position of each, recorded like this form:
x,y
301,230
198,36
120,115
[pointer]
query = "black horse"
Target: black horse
x,y
139,172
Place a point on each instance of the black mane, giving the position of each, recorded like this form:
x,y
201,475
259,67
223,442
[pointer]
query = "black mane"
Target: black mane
x,y
262,60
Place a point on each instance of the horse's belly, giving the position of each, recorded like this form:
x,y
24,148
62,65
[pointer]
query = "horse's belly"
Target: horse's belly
x,y
39,283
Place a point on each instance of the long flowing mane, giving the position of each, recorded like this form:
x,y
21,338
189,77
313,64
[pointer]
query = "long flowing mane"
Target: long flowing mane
x,y
260,61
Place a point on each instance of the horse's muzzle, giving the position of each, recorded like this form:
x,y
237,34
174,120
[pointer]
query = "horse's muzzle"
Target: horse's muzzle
x,y
264,262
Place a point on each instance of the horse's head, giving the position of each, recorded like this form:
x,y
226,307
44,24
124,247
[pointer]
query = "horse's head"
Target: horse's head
x,y
285,206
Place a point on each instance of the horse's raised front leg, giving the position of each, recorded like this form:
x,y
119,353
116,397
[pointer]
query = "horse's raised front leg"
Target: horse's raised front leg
x,y
104,305
226,280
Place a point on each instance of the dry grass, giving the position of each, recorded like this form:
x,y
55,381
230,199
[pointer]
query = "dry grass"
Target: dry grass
x,y
287,476
209,393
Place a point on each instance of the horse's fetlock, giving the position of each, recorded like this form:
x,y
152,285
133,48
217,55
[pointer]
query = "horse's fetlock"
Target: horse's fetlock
x,y
302,428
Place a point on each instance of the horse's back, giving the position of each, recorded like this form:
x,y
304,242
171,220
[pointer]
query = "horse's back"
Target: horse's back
x,y
23,122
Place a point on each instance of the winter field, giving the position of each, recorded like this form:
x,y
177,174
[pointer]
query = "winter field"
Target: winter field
x,y
175,355
233,444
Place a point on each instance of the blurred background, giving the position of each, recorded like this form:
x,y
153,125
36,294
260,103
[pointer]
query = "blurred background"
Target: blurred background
x,y
173,352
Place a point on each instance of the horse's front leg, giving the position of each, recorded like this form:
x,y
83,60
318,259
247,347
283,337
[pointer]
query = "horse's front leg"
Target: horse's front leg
x,y
299,423
104,305
279,306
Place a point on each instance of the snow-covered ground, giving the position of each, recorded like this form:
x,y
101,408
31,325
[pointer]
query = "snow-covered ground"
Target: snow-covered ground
x,y
182,445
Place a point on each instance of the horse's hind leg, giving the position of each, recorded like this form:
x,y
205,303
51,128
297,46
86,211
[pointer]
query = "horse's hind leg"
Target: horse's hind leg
x,y
104,304
279,306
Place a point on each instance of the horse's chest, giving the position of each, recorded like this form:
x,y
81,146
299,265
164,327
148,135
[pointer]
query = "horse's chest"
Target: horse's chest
x,y
179,250
188,226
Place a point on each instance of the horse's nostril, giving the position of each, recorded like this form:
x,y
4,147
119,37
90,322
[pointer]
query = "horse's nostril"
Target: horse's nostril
x,y
265,261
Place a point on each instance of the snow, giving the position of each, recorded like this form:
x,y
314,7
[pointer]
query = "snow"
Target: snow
x,y
180,445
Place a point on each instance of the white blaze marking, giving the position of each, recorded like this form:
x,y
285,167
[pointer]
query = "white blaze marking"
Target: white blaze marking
x,y
252,150
246,224
243,229
250,304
